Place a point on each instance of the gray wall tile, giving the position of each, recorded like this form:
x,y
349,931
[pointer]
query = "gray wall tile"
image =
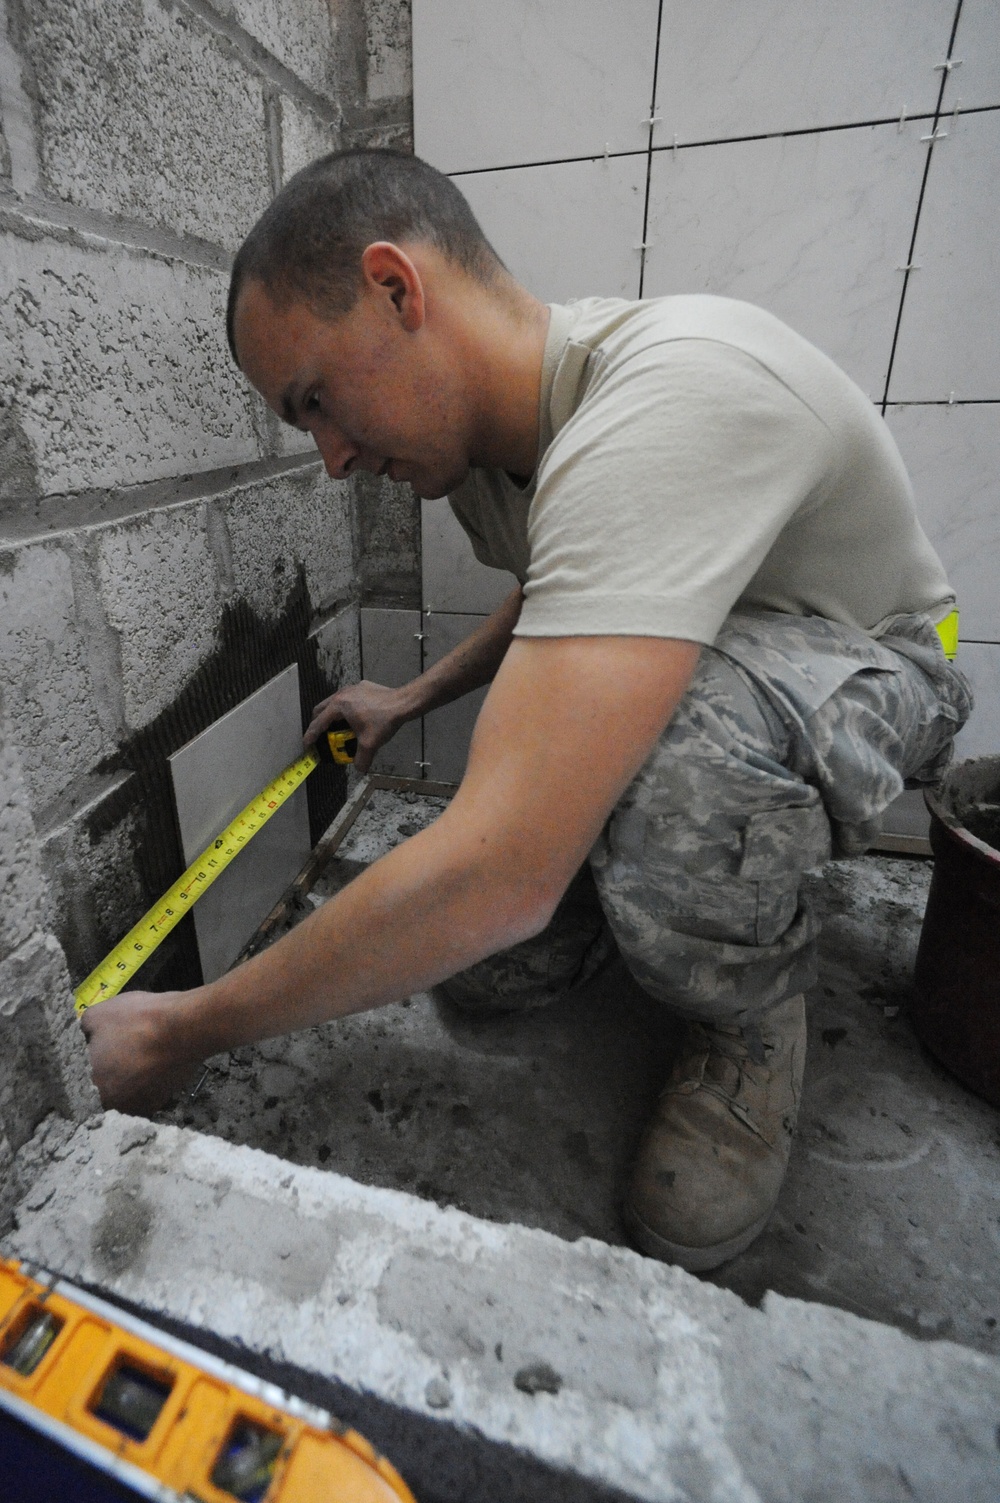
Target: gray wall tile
x,y
453,578
448,731
214,777
390,654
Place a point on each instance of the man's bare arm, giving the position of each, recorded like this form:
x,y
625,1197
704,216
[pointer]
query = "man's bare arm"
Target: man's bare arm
x,y
565,727
376,712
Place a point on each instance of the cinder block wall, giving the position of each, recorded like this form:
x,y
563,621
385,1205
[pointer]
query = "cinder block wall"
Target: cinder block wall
x,y
165,546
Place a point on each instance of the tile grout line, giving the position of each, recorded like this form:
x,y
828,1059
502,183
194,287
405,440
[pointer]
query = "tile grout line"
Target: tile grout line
x,y
649,151
916,218
779,135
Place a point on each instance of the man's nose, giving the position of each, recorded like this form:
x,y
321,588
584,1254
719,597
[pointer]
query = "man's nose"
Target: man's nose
x,y
337,454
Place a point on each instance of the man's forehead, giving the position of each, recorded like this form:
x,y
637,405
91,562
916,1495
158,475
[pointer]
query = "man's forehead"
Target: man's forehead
x,y
256,310
271,338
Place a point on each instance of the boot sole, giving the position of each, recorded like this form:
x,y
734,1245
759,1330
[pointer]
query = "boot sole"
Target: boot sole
x,y
693,1259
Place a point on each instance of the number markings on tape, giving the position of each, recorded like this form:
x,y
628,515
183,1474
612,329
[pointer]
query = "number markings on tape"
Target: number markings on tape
x,y
107,979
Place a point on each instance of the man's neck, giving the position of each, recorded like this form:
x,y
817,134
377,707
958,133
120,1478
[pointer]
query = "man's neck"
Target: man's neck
x,y
504,349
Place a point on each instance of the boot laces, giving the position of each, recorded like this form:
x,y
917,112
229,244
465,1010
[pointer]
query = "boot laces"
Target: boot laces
x,y
723,1059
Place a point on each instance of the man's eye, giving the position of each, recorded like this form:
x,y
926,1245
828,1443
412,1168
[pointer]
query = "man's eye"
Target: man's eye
x,y
311,403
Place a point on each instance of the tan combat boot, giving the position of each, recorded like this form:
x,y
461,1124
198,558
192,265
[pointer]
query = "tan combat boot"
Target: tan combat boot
x,y
711,1163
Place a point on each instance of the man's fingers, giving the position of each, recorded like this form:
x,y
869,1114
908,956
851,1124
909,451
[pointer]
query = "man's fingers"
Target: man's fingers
x,y
322,718
364,757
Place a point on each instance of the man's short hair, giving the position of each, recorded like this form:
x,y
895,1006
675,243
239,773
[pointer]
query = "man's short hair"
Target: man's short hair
x,y
309,241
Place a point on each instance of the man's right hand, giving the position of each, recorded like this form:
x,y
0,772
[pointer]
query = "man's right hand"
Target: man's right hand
x,y
374,713
136,1053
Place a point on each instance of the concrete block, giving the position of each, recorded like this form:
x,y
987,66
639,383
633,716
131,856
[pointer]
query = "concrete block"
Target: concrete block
x,y
491,1360
389,542
10,1186
49,692
338,647
300,36
43,1059
126,91
117,365
304,137
158,580
96,891
389,26
301,523
394,135
29,1082
22,887
18,471
46,972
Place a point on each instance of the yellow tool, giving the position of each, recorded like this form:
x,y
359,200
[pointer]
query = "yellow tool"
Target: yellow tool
x,y
108,978
87,1387
947,630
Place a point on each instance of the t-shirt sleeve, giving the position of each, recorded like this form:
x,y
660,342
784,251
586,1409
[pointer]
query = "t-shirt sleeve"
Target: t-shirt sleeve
x,y
660,498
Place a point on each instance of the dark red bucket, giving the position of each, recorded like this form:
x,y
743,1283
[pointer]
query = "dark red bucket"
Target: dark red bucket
x,y
956,1007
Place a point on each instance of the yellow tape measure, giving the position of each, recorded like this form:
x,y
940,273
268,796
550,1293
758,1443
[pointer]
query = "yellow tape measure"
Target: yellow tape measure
x,y
107,979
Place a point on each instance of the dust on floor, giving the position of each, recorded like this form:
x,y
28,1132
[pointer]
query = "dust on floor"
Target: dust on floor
x,y
892,1203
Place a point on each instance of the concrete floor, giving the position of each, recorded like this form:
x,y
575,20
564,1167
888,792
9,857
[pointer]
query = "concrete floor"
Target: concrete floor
x,y
891,1208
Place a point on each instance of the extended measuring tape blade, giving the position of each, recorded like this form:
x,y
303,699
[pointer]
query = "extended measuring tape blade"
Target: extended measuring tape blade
x,y
139,943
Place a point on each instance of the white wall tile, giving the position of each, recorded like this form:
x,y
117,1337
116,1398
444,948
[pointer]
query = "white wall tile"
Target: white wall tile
x,y
448,731
390,654
953,456
977,44
949,337
453,578
771,65
980,662
567,230
214,777
530,80
811,227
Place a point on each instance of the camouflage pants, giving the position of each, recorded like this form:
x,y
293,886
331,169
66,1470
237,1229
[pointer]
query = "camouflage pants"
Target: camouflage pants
x,y
793,738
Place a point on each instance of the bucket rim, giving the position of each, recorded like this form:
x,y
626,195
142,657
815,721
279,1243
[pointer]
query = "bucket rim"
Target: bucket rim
x,y
945,817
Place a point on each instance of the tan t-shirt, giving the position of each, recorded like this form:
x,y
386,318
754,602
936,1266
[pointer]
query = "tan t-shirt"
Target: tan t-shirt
x,y
696,454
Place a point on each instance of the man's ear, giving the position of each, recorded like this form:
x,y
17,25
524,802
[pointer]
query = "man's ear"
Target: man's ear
x,y
389,273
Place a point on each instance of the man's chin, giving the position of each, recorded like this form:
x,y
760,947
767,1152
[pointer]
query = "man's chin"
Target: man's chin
x,y
432,488
428,492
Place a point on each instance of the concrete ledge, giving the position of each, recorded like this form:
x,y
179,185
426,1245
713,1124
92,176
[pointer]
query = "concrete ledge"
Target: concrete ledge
x,y
492,1360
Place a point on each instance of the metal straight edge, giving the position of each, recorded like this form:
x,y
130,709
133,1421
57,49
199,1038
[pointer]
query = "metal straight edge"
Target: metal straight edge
x,y
902,845
327,847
